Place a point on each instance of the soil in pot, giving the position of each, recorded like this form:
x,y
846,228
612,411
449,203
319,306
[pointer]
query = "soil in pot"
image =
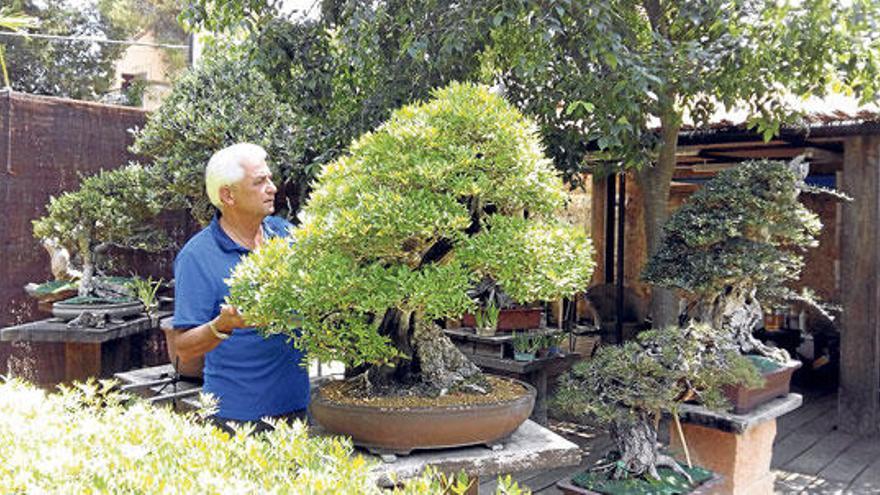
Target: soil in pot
x,y
670,483
349,394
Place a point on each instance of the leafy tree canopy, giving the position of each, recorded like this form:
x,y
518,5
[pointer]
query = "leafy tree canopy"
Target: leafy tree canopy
x,y
224,100
443,195
68,68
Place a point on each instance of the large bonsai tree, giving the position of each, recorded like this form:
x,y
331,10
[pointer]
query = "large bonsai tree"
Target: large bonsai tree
x,y
738,241
443,196
112,208
628,387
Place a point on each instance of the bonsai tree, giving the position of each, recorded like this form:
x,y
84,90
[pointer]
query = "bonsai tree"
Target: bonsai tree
x,y
112,208
443,196
628,387
738,241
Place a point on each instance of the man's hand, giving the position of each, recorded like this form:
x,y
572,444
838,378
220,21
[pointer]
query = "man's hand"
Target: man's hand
x,y
228,319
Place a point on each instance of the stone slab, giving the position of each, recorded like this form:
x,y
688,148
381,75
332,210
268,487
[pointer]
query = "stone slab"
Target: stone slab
x,y
55,330
530,447
739,423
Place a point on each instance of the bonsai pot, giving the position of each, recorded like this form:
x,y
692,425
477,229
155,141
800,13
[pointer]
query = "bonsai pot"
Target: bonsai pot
x,y
511,319
386,430
68,311
523,356
776,383
706,487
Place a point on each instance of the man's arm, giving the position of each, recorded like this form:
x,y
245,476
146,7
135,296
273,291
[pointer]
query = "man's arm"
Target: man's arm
x,y
197,341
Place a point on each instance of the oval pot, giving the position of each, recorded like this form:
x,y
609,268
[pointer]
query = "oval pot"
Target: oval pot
x,y
400,431
67,312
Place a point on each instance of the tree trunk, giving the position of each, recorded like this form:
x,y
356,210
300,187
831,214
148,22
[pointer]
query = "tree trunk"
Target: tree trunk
x,y
737,311
443,366
86,282
655,182
636,440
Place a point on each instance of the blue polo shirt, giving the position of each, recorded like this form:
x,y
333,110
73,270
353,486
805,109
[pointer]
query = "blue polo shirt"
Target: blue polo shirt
x,y
251,376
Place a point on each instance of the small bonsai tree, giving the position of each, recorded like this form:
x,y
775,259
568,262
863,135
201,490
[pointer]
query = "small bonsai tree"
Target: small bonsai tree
x,y
441,197
112,208
737,241
628,387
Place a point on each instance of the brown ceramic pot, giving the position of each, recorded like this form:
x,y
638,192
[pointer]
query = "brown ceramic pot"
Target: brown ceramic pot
x,y
511,319
776,383
400,431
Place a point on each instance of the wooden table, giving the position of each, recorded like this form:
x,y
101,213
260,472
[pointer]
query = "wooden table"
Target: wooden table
x,y
46,352
534,372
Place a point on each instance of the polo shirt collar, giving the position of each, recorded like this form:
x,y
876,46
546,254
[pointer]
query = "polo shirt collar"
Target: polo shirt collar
x,y
225,242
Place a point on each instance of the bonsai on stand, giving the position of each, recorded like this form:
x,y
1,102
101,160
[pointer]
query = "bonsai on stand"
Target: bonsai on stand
x,y
443,196
736,243
627,388
112,208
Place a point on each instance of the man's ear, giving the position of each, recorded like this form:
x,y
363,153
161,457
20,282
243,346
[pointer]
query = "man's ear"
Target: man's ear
x,y
226,196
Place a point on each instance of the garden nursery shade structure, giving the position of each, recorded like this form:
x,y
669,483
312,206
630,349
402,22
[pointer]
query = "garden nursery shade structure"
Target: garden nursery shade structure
x,y
843,151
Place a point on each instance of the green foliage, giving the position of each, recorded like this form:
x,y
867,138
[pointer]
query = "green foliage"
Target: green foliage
x,y
443,195
653,374
487,317
116,207
145,290
87,439
523,342
221,102
745,228
68,68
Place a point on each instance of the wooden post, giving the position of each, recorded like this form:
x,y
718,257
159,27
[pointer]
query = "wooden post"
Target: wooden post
x,y
860,287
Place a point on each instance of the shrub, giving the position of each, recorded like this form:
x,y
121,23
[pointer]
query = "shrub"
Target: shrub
x,y
221,102
87,439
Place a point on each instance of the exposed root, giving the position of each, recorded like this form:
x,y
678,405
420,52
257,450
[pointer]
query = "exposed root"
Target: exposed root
x,y
666,461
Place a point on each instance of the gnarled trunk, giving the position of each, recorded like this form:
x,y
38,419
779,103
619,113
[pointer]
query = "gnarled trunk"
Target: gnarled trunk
x,y
737,311
442,364
636,441
86,282
433,364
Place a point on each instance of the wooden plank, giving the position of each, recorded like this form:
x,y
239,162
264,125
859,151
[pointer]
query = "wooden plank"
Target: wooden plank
x,y
812,408
793,446
860,287
868,481
853,461
81,361
822,453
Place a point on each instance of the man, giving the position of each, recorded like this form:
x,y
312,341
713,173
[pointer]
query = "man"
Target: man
x,y
252,377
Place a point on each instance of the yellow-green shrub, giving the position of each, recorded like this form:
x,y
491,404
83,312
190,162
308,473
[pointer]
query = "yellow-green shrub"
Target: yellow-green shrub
x,y
87,439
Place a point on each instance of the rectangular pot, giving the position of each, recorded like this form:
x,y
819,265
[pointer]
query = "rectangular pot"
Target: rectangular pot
x,y
776,383
511,319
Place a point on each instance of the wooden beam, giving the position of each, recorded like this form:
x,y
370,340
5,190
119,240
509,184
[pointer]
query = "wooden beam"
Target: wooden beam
x,y
860,288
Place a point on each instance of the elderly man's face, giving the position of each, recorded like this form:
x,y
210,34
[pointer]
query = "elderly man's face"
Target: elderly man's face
x,y
255,193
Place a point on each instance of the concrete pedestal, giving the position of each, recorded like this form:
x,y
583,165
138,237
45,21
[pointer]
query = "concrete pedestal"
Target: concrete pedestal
x,y
531,447
738,447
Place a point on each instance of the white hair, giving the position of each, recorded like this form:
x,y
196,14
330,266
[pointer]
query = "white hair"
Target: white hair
x,y
226,167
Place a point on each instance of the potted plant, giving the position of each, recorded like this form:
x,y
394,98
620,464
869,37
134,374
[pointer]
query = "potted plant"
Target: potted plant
x,y
486,320
524,347
734,245
628,387
442,196
112,208
511,315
